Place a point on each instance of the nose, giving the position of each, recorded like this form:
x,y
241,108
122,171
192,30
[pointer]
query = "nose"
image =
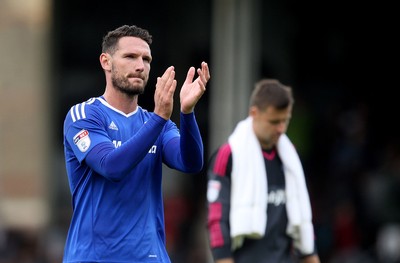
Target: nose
x,y
281,127
139,65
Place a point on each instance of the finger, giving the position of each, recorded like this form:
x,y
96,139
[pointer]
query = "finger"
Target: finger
x,y
172,88
202,77
204,73
205,70
167,76
170,80
190,75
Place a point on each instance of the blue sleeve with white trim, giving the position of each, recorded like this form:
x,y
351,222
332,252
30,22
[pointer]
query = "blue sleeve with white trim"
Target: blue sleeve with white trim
x,y
86,136
114,163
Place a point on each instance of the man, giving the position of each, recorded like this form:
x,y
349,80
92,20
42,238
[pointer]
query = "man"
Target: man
x,y
258,205
114,150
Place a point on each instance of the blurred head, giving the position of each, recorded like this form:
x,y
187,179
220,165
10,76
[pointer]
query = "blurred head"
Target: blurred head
x,y
126,58
271,105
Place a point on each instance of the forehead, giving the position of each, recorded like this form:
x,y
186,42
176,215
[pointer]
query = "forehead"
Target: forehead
x,y
133,44
274,113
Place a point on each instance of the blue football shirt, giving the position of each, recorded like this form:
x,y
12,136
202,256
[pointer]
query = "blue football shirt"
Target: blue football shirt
x,y
118,213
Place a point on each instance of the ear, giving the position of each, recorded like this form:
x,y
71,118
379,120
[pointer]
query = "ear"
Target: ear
x,y
105,61
253,111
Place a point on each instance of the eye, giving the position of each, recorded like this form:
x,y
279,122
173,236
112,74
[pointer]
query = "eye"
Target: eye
x,y
275,122
147,59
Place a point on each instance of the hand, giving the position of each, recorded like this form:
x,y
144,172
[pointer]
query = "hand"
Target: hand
x,y
192,91
164,94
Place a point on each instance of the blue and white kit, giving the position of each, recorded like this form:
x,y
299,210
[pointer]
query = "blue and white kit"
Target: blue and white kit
x,y
114,167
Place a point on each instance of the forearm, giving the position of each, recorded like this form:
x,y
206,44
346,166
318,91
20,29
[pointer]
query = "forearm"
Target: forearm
x,y
114,163
191,144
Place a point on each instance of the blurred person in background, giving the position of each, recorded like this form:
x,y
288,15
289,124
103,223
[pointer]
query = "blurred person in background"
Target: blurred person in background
x,y
259,209
114,151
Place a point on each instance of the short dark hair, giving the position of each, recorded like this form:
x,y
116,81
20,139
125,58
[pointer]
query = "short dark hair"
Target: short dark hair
x,y
110,40
271,92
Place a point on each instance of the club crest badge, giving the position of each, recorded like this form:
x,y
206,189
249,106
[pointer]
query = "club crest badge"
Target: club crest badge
x,y
213,190
82,140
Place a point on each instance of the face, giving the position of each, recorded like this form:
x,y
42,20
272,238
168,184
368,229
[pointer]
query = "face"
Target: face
x,y
130,65
269,124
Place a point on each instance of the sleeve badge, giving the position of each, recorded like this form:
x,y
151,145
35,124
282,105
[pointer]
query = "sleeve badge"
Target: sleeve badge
x,y
213,189
82,140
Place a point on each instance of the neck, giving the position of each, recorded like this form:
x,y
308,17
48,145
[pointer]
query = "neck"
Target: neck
x,y
121,101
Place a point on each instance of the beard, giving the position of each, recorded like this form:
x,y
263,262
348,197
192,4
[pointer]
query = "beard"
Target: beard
x,y
121,83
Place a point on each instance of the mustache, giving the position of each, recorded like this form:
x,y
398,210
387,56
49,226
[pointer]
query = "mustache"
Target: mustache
x,y
140,76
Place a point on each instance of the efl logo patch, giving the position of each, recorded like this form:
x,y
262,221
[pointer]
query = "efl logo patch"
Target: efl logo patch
x,y
82,140
213,190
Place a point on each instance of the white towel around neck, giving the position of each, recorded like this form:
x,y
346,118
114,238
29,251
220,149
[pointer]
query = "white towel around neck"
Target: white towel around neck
x,y
248,214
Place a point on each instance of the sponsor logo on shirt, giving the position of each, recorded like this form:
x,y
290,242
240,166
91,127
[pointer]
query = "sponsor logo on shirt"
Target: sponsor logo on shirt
x,y
153,149
117,143
277,197
82,140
